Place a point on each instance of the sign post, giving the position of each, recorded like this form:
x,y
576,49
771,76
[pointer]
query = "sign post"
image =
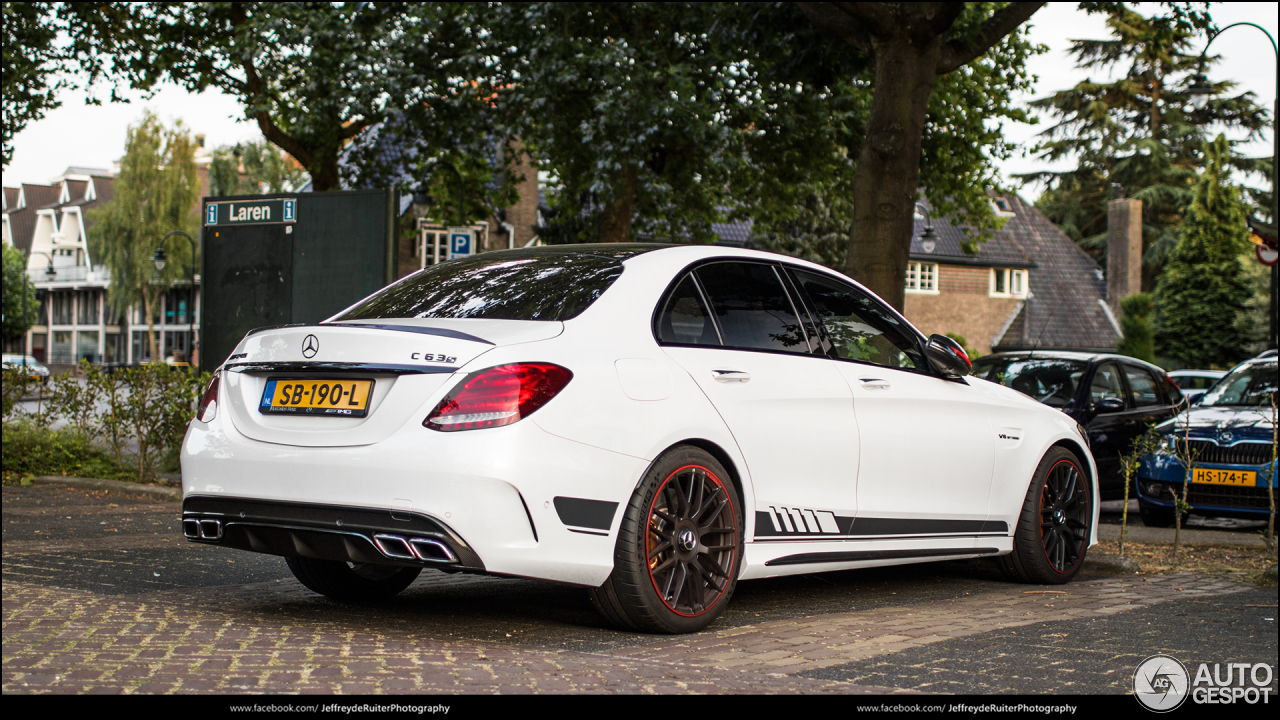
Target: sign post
x,y
462,242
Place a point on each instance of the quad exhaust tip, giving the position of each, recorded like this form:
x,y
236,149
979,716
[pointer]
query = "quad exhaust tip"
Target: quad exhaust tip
x,y
395,547
202,529
425,549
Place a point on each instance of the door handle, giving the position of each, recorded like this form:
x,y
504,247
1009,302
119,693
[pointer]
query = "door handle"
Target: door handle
x,y
874,383
730,376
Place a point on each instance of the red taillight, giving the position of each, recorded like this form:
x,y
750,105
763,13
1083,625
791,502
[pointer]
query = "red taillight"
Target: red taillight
x,y
209,401
498,396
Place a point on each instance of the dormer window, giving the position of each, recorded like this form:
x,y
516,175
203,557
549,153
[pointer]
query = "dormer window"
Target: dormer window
x,y
1002,206
1007,282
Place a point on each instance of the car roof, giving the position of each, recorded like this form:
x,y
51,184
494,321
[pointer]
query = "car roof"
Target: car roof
x,y
1197,373
1069,355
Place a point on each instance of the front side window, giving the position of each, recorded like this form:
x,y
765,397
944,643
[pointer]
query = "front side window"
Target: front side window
x,y
751,307
857,327
519,285
1107,385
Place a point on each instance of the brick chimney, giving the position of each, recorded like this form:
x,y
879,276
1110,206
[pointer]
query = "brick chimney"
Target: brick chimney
x,y
1124,251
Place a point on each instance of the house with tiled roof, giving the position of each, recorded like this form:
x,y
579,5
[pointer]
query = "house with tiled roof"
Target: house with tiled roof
x,y
50,225
1029,286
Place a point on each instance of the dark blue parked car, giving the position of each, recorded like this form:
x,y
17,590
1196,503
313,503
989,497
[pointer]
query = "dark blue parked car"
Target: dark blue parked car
x,y
1231,433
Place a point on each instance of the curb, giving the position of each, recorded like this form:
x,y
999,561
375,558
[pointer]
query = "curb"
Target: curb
x,y
155,492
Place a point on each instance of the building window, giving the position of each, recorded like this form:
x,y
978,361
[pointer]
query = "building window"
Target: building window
x,y
922,277
61,350
63,309
1007,282
87,347
87,308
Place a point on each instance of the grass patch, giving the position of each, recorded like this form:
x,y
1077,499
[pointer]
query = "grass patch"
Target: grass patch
x,y
1158,559
29,451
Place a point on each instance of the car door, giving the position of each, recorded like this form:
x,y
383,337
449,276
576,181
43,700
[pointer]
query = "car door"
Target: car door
x,y
927,447
1111,425
734,328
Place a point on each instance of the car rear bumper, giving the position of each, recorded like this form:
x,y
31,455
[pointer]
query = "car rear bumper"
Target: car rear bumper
x,y
505,500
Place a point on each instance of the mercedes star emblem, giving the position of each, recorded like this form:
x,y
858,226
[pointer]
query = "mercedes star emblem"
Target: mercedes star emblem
x,y
310,346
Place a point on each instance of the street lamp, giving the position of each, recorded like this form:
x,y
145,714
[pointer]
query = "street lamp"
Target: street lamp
x,y
928,238
1200,90
160,258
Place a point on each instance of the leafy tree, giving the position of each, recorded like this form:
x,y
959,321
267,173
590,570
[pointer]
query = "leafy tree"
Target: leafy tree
x,y
681,115
155,193
916,48
315,76
1138,131
1135,325
253,168
1200,298
51,47
19,294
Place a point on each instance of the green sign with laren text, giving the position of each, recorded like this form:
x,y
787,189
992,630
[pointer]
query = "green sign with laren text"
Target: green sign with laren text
x,y
251,212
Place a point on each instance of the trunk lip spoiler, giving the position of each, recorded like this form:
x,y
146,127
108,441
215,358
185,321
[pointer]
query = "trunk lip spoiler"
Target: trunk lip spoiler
x,y
441,332
338,367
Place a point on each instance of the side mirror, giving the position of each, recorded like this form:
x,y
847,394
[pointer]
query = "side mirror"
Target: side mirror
x,y
947,357
1108,405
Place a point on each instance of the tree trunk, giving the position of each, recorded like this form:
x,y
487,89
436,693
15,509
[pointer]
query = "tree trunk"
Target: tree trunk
x,y
888,170
615,221
324,176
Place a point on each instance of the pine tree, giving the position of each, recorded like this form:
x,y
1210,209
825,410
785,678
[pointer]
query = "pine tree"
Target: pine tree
x,y
1201,296
1139,132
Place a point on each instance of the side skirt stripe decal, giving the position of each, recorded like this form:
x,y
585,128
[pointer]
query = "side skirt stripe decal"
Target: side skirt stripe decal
x,y
783,523
862,555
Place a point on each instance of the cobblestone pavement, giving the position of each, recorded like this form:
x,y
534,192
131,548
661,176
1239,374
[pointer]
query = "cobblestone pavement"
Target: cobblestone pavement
x,y
140,611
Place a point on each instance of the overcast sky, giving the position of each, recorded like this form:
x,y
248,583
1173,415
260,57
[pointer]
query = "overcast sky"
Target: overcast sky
x,y
88,136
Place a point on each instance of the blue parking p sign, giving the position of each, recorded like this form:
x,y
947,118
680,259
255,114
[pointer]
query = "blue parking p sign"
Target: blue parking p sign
x,y
461,242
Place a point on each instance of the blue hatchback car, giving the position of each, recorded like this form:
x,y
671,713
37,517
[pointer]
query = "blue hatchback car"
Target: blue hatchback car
x,y
1230,435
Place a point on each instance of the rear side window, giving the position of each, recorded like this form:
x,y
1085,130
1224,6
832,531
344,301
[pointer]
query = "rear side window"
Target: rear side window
x,y
1145,391
684,319
751,307
496,286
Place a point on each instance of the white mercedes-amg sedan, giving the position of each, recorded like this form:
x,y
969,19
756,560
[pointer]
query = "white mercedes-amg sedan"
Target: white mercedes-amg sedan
x,y
654,423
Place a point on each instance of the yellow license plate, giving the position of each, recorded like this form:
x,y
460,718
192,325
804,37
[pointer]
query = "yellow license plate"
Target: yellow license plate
x,y
338,398
1215,476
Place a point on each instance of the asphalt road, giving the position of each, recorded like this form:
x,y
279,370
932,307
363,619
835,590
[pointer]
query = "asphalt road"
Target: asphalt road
x,y
102,594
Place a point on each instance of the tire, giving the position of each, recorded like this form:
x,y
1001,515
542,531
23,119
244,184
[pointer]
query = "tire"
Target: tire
x,y
1157,516
357,582
679,548
1053,530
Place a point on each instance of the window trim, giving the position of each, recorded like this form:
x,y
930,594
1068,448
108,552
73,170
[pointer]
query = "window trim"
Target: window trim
x,y
691,271
1009,274
923,367
920,290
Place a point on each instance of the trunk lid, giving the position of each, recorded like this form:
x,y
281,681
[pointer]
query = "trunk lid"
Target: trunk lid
x,y
410,361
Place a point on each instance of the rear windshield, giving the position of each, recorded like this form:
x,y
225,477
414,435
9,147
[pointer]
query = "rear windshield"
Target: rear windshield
x,y
1052,381
517,285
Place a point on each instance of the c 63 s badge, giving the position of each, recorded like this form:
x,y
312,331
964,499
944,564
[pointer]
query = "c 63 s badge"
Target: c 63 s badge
x,y
434,357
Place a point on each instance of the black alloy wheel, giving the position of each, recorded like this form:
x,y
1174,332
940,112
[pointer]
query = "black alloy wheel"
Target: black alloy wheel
x,y
1064,516
679,547
691,540
1052,534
